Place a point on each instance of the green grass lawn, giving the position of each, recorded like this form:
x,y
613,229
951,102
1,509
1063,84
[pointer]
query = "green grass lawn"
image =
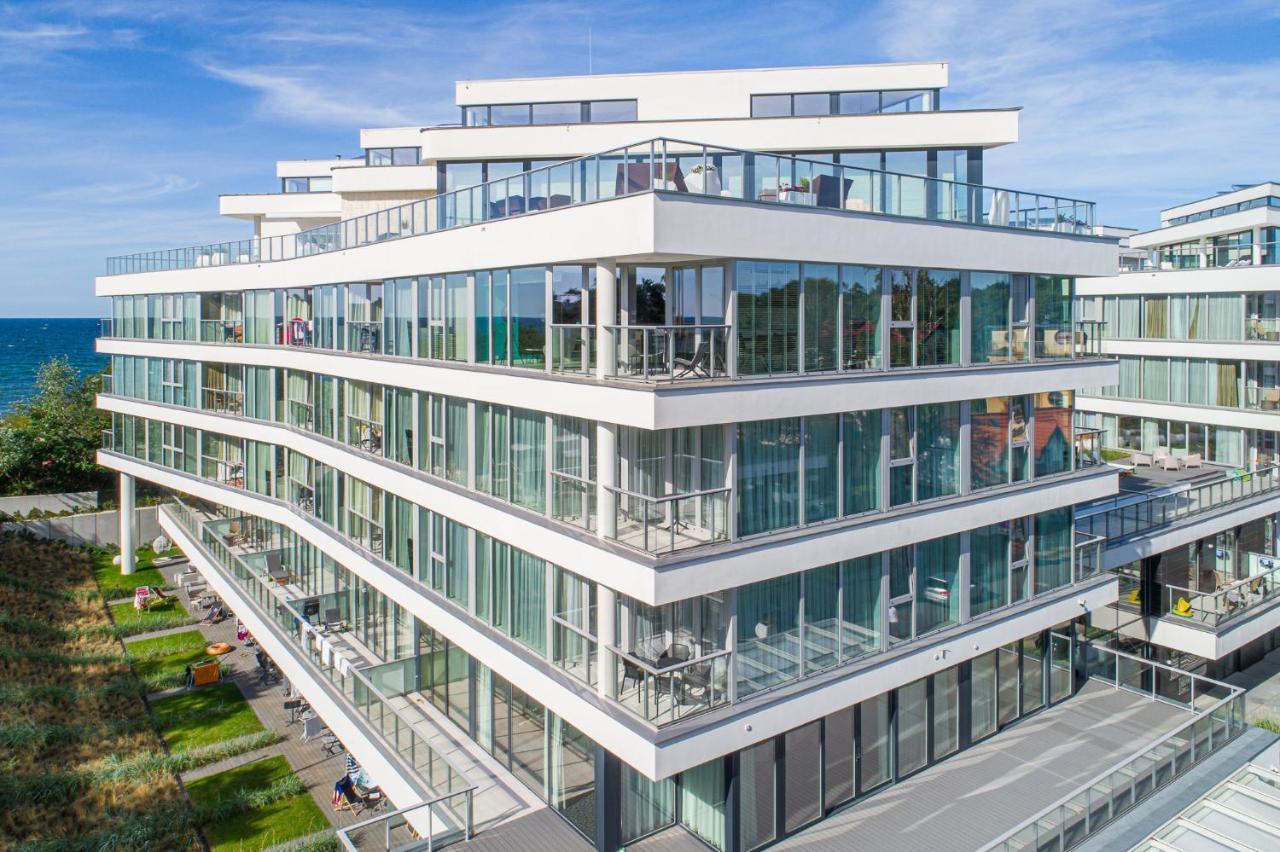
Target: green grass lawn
x,y
168,654
116,585
160,613
232,718
295,816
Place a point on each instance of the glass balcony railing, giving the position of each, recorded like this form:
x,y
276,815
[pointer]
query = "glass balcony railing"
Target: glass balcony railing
x,y
1215,718
664,524
573,348
667,165
1089,551
223,401
222,331
1261,399
1215,607
1262,328
246,560
1128,515
672,689
670,351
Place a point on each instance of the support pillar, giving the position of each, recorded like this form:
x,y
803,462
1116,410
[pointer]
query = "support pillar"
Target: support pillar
x,y
606,612
128,546
606,315
606,480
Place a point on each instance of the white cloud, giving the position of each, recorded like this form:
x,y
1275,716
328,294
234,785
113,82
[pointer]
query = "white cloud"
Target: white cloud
x,y
1113,108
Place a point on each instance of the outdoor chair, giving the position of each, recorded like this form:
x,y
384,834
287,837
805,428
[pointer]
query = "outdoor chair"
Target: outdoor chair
x,y
331,745
333,619
1192,460
1168,463
630,671
1160,454
1140,459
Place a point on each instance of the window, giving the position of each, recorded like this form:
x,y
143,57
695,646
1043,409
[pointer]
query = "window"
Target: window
x,y
559,113
902,455
600,111
768,317
393,156
509,114
860,289
937,584
296,185
843,103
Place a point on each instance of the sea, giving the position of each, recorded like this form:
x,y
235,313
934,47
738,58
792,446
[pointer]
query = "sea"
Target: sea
x,y
26,343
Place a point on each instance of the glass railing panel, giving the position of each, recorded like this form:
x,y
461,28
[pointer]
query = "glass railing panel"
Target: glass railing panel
x,y
670,689
670,352
660,164
674,522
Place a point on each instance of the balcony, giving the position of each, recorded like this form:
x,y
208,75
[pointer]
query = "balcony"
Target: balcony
x,y
247,556
1228,601
665,165
1134,513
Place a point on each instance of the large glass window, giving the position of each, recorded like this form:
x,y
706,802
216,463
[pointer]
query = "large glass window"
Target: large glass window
x,y
938,450
757,795
821,314
528,317
768,317
937,583
1053,316
768,475
990,330
860,315
938,318
913,730
989,568
862,460
1053,432
1053,549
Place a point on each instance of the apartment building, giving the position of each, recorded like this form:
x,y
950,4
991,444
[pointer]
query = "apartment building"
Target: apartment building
x,y
1195,326
693,451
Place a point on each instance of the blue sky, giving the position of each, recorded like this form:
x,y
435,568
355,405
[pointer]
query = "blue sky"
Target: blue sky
x,y
123,121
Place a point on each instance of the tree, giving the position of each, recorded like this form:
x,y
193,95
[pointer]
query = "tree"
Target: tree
x,y
49,442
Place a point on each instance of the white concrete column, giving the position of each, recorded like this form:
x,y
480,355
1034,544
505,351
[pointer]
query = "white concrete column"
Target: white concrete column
x,y
1257,247
606,479
606,608
606,310
127,544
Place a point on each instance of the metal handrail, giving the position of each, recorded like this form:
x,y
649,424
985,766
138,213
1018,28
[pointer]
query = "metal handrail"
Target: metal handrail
x,y
1234,692
188,517
345,835
414,218
1182,503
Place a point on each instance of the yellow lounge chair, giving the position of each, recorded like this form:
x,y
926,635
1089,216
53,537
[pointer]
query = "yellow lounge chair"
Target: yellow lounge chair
x,y
1133,598
1182,607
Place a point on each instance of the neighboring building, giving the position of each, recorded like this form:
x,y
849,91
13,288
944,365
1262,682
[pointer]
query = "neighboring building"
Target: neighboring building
x,y
1196,329
704,486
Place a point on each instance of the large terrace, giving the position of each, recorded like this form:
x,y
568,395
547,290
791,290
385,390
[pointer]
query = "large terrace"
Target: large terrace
x,y
656,165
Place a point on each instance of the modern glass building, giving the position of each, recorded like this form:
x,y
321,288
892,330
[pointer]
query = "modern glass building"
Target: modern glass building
x,y
698,450
1194,327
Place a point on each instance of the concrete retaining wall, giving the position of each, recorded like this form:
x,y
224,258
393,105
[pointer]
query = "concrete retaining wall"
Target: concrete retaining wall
x,y
22,504
100,528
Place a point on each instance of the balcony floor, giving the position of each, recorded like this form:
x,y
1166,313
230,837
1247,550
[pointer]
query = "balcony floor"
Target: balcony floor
x,y
969,799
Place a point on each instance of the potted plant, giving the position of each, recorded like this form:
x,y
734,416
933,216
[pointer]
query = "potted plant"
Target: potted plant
x,y
703,179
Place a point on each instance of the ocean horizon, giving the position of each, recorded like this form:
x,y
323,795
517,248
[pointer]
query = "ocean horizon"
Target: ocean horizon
x,y
30,341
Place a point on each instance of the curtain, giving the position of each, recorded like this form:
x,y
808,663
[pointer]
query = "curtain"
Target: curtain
x,y
862,460
702,794
1155,375
768,475
1152,435
860,581
1130,386
989,568
821,640
1156,316
821,462
646,805
1228,392
1178,379
937,450
528,459
1198,381
937,583
1129,317
989,327
1227,446
1053,549
528,600
1226,316
820,317
1178,317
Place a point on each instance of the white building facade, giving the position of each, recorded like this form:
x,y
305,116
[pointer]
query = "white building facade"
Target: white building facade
x,y
1195,326
696,447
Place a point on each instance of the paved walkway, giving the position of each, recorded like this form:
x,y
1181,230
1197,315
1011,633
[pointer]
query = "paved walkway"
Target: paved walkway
x,y
972,797
317,770
1262,680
